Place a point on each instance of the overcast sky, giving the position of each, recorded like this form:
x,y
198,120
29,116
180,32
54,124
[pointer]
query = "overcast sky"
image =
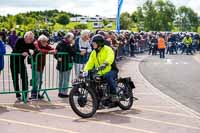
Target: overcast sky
x,y
106,8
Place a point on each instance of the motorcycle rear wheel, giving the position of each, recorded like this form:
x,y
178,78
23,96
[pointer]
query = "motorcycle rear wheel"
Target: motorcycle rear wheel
x,y
125,96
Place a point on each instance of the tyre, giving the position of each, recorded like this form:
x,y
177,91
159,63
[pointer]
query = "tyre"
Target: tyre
x,y
125,96
83,102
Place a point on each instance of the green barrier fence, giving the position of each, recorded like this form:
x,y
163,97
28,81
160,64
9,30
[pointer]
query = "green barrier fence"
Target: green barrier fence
x,y
49,71
14,67
38,74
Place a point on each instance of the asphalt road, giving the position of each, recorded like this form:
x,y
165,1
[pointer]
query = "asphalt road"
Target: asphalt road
x,y
178,76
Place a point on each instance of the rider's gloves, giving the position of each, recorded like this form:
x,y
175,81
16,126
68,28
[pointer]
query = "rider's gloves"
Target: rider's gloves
x,y
103,66
85,74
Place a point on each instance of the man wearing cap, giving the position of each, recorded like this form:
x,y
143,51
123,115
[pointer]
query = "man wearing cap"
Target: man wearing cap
x,y
103,56
64,65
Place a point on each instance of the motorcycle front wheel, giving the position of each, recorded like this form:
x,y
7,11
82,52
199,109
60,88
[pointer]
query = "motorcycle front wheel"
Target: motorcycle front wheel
x,y
83,102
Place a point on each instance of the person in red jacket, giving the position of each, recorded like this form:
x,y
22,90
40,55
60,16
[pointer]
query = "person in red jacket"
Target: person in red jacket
x,y
42,48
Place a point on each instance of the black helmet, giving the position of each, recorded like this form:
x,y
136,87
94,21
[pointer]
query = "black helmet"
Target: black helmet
x,y
99,39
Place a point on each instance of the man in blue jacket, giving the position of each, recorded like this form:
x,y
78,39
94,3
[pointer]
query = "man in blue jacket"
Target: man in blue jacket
x,y
2,52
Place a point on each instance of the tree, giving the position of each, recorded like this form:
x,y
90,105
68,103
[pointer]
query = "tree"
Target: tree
x,y
52,22
81,26
187,19
105,22
134,16
19,19
198,29
140,18
150,21
35,19
29,20
166,13
156,16
63,19
10,22
125,21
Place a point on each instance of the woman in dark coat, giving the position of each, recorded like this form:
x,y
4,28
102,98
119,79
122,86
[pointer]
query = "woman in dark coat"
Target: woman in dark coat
x,y
64,65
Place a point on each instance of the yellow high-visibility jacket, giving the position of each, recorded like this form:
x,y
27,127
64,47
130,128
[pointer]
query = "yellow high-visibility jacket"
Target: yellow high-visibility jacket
x,y
187,41
106,54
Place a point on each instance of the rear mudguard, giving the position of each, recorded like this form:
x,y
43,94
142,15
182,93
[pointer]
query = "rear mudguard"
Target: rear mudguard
x,y
128,82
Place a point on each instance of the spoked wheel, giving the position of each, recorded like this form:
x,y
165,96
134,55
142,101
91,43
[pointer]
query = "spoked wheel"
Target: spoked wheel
x,y
125,96
83,102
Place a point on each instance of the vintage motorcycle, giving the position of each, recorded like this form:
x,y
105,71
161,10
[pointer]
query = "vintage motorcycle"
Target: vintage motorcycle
x,y
90,92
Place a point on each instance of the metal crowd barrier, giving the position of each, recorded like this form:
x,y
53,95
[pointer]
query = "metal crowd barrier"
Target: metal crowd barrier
x,y
9,78
36,67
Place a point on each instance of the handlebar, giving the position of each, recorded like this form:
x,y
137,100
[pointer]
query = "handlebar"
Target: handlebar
x,y
93,71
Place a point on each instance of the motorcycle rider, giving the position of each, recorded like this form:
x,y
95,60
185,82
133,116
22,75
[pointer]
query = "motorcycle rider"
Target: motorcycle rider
x,y
188,44
103,57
